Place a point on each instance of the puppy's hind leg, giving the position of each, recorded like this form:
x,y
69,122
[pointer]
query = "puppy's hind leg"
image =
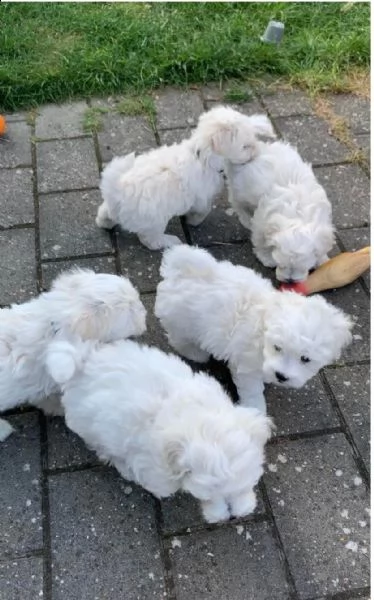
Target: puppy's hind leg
x,y
102,219
194,217
189,350
158,241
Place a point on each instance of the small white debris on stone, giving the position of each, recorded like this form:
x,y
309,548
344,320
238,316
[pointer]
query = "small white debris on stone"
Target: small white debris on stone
x,y
229,212
151,576
335,582
344,513
210,554
26,467
346,530
347,383
157,555
188,529
175,543
41,593
357,481
282,458
128,490
298,469
338,472
239,529
367,510
272,468
28,502
352,546
136,530
276,490
33,520
356,336
34,482
56,247
364,550
362,523
281,502
248,536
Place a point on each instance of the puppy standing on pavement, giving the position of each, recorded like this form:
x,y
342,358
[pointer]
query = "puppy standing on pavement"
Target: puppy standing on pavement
x,y
143,193
267,336
160,424
80,302
278,198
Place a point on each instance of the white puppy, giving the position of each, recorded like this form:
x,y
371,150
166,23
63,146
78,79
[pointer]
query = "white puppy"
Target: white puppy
x,y
103,307
278,197
210,307
143,193
160,424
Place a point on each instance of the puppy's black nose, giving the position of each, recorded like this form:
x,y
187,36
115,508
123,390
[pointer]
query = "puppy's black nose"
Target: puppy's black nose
x,y
281,378
289,281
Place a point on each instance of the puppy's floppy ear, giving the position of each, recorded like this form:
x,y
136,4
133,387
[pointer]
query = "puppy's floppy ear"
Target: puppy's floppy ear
x,y
221,138
262,126
92,322
175,456
341,325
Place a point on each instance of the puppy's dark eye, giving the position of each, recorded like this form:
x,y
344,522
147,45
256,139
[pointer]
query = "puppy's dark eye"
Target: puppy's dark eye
x,y
305,359
277,348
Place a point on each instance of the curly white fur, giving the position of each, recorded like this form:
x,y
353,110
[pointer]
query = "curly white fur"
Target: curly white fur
x,y
81,303
160,424
210,307
143,193
279,199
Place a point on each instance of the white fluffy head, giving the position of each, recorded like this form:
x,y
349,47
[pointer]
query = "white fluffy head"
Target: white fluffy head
x,y
302,334
94,306
230,134
219,459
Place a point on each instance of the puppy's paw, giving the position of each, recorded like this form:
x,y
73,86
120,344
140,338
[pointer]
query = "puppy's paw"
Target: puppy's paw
x,y
160,242
214,511
243,505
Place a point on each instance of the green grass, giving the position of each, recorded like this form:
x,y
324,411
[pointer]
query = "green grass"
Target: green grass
x,y
56,51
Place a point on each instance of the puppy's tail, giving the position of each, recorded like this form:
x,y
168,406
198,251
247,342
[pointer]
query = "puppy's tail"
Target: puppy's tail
x,y
63,359
113,171
186,262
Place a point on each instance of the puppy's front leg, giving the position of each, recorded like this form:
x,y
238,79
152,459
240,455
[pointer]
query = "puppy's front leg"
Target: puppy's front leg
x,y
194,217
250,387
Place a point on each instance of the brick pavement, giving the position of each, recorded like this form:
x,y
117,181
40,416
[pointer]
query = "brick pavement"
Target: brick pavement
x,y
71,528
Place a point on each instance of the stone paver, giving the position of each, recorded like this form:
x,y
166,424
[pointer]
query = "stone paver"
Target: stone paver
x,y
249,108
319,501
21,509
311,136
60,121
111,539
68,228
351,388
16,199
66,165
21,578
200,565
176,109
121,135
348,189
15,149
17,265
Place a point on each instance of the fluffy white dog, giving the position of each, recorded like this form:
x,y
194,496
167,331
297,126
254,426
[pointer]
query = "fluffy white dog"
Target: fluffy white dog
x,y
279,199
103,307
143,193
160,424
210,307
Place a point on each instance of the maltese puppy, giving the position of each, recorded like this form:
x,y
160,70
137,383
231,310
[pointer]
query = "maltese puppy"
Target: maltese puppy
x,y
278,198
266,336
143,193
160,424
103,307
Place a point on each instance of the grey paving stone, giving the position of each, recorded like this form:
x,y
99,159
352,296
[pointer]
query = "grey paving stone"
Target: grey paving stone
x,y
221,225
67,225
17,265
246,108
354,239
122,134
20,515
104,539
174,136
348,189
177,108
241,254
312,138
351,388
65,448
320,505
60,120
155,335
355,109
218,91
15,148
297,411
21,578
15,116
228,563
66,165
182,512
139,263
363,142
354,301
287,103
16,199
101,264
